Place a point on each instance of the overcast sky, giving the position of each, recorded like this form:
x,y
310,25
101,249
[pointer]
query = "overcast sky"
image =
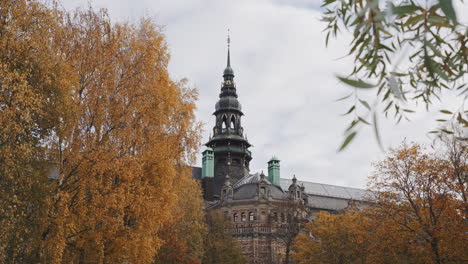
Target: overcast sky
x,y
285,81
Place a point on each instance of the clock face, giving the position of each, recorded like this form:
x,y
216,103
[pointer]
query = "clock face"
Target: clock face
x,y
229,163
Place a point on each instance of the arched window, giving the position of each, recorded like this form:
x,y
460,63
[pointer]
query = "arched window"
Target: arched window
x,y
282,217
243,218
232,124
251,216
275,216
236,217
224,123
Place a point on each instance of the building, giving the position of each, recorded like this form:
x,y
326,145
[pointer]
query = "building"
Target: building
x,y
266,211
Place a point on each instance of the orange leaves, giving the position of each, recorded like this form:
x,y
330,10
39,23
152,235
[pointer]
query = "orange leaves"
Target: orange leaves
x,y
333,239
94,100
418,216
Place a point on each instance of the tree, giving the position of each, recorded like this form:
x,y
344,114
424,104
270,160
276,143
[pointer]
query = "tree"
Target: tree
x,y
220,246
417,217
119,159
33,101
410,52
333,238
416,191
91,101
184,236
295,213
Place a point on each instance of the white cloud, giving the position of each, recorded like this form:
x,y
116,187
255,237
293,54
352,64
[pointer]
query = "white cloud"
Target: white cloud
x,y
284,75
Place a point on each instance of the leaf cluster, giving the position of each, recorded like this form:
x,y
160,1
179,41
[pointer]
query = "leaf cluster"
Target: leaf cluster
x,y
409,52
417,215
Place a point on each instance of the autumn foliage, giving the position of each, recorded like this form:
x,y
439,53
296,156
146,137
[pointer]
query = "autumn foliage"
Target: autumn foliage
x,y
93,101
418,215
219,244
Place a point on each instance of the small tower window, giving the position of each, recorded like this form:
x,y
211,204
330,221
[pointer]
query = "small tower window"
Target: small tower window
x,y
282,217
224,123
236,217
251,216
232,124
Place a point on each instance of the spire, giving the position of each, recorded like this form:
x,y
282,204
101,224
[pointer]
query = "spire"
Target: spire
x,y
229,54
228,72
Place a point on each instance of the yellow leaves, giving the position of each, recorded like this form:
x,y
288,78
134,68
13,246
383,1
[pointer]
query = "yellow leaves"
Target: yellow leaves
x,y
418,217
93,99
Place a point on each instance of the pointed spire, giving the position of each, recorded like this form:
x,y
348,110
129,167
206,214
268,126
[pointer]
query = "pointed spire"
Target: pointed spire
x,y
228,72
229,47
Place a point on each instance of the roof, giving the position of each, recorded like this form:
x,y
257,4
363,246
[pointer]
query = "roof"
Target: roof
x,y
251,178
246,187
328,190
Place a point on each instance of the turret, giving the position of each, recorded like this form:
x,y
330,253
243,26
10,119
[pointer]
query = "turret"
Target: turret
x,y
274,171
208,163
294,190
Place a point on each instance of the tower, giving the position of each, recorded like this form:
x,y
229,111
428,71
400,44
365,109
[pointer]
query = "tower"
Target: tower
x,y
229,144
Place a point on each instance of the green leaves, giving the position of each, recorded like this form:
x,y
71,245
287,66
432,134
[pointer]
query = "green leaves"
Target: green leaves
x,y
356,83
412,56
348,140
403,10
364,103
447,8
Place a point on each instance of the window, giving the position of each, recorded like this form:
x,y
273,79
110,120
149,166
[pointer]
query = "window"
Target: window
x,y
236,218
251,216
262,190
232,123
224,122
243,218
275,216
282,217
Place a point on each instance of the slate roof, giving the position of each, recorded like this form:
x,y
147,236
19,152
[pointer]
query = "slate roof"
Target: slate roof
x,y
326,190
246,188
251,178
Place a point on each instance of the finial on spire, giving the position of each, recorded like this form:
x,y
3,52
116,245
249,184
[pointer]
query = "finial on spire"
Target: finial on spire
x,y
229,46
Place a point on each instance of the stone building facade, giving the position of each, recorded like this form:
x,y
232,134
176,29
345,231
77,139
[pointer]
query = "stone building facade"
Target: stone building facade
x,y
265,211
